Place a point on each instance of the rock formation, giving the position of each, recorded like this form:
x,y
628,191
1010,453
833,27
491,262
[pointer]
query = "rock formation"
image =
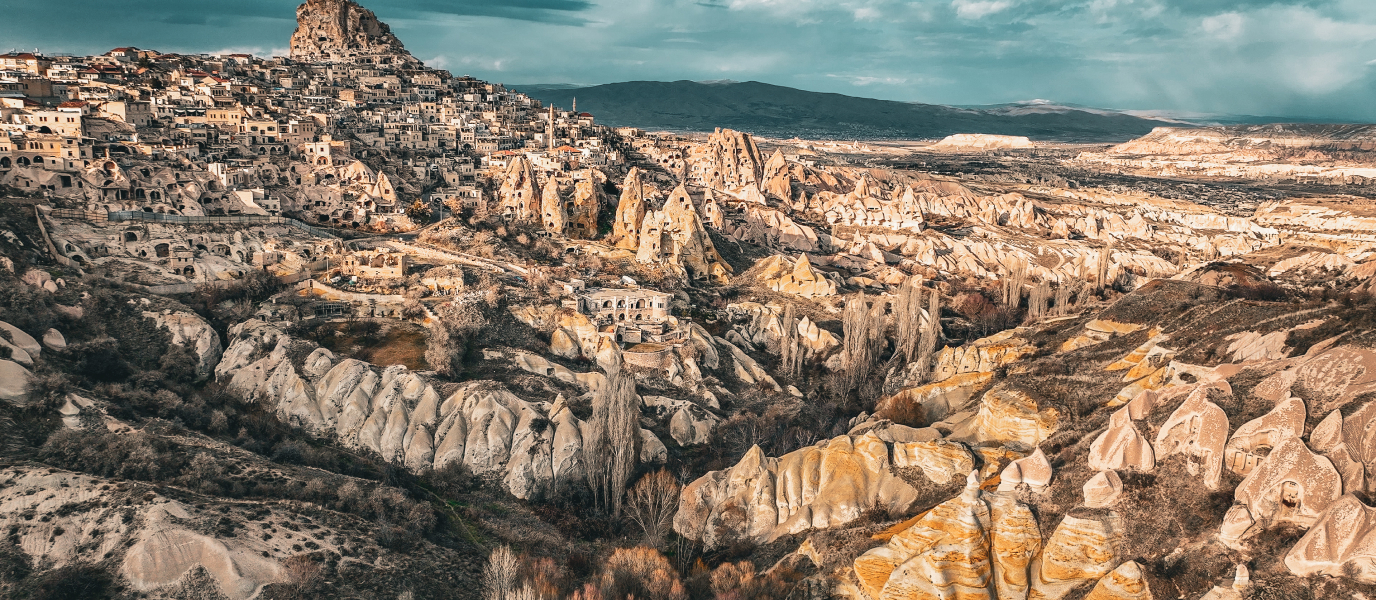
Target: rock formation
x,y
1103,490
193,332
971,546
1127,582
531,447
1122,446
587,205
630,211
781,274
1267,432
1292,485
761,498
1342,541
674,236
552,215
1199,430
520,193
339,30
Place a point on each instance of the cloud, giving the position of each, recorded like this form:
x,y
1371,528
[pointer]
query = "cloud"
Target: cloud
x,y
1296,57
978,9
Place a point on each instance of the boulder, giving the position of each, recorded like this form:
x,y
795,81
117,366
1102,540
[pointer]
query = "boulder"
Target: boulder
x,y
14,381
1121,446
1197,429
1103,490
1034,471
53,340
1126,582
1341,542
1080,550
20,340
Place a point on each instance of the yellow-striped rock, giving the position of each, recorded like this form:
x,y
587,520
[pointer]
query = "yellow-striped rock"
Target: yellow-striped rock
x,y
1124,583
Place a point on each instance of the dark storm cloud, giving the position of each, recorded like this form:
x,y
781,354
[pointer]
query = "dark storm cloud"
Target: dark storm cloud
x,y
1312,58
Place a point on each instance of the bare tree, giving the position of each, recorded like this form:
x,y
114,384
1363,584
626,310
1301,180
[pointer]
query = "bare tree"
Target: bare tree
x,y
908,319
1013,283
613,443
790,345
1036,303
1062,307
651,504
863,329
500,575
931,333
1105,260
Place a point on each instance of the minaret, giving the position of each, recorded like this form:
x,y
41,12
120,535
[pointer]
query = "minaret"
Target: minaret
x,y
550,129
575,106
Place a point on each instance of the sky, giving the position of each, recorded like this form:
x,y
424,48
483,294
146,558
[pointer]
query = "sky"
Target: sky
x,y
1296,58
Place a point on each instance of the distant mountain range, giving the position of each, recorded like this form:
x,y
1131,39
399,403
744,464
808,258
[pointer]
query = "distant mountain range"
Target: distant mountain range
x,y
778,111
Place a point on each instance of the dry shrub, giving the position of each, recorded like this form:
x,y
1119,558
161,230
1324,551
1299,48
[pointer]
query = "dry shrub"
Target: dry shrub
x,y
739,581
302,573
640,573
500,574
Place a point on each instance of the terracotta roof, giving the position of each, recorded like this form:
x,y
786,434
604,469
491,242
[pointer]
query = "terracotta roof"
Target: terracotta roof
x,y
72,104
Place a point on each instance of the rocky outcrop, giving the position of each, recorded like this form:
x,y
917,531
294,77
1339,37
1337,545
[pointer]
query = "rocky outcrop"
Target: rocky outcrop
x,y
151,538
761,498
1292,485
630,211
982,141
797,277
984,355
1340,543
689,424
336,30
1197,429
1127,582
675,237
192,332
1080,550
520,193
587,205
14,381
729,160
1285,421
1005,416
23,349
531,447
765,325
972,546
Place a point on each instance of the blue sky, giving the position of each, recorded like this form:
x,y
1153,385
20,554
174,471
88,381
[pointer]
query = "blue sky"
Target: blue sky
x,y
1302,58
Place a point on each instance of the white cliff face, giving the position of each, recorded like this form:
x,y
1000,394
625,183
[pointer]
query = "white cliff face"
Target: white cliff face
x,y
531,447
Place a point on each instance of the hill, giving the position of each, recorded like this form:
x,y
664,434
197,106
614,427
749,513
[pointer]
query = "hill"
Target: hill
x,y
774,110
